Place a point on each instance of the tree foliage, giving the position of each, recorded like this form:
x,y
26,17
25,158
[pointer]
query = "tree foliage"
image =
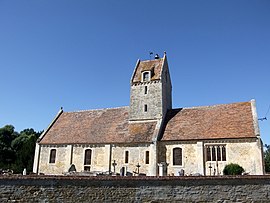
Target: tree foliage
x,y
267,158
17,149
233,169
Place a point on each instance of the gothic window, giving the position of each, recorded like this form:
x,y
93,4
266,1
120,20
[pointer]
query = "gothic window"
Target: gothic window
x,y
177,156
87,157
146,76
147,157
215,153
52,156
214,157
208,154
218,154
126,157
223,153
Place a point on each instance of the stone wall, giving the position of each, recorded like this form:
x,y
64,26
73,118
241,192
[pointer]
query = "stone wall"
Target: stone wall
x,y
134,189
244,152
102,156
153,100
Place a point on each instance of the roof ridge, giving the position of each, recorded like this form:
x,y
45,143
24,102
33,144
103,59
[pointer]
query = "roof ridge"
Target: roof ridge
x,y
148,60
215,105
78,111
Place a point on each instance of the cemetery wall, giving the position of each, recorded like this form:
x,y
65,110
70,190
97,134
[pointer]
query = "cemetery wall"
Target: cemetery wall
x,y
134,189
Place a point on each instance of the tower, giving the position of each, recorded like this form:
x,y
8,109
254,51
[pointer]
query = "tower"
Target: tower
x,y
150,91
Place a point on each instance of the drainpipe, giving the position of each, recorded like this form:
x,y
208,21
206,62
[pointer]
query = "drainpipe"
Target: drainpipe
x,y
110,158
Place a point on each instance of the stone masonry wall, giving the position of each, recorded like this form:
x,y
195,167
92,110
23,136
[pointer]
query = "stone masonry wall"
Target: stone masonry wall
x,y
153,100
134,189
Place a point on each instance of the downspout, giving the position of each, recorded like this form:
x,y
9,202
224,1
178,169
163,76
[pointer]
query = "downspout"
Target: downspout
x,y
110,158
71,154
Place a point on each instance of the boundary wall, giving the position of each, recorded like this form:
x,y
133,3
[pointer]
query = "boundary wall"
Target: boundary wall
x,y
134,189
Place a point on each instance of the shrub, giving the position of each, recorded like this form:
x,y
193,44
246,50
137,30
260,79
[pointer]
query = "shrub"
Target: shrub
x,y
233,169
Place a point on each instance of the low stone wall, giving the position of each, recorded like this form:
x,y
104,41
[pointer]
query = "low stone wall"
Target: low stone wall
x,y
134,189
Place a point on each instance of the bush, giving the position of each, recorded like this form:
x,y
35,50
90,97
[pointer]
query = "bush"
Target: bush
x,y
233,169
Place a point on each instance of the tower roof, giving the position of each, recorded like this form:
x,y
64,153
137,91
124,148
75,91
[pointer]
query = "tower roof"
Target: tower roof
x,y
155,66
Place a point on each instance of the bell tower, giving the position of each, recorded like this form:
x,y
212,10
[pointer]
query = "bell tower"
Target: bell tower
x,y
150,90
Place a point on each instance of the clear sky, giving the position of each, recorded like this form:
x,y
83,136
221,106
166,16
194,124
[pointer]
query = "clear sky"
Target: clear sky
x,y
81,54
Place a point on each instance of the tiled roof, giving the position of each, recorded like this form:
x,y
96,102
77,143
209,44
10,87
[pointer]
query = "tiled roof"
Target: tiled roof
x,y
212,122
155,66
98,126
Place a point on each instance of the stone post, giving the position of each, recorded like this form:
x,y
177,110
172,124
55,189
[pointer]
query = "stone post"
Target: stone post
x,y
160,169
200,158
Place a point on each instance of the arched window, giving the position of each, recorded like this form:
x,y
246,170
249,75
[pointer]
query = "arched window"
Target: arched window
x,y
52,156
177,156
87,157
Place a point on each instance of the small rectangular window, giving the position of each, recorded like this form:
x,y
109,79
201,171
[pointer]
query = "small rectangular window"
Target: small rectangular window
x,y
145,108
52,156
145,90
126,157
147,157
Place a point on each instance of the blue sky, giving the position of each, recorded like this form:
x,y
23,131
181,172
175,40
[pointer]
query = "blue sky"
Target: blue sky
x,y
81,54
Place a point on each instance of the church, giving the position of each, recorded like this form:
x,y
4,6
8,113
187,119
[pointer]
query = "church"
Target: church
x,y
151,138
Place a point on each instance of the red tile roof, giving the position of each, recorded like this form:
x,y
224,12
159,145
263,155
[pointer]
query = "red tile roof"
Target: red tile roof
x,y
155,66
98,126
210,122
112,125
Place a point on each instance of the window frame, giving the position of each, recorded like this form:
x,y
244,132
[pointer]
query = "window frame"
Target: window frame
x,y
175,161
52,156
145,89
146,76
145,108
147,157
87,160
215,152
126,157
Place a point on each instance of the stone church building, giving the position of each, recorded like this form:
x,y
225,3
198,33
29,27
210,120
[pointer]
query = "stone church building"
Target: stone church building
x,y
150,137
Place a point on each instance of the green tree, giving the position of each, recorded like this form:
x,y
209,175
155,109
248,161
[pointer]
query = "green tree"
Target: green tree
x,y
24,147
7,154
233,169
17,149
267,158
